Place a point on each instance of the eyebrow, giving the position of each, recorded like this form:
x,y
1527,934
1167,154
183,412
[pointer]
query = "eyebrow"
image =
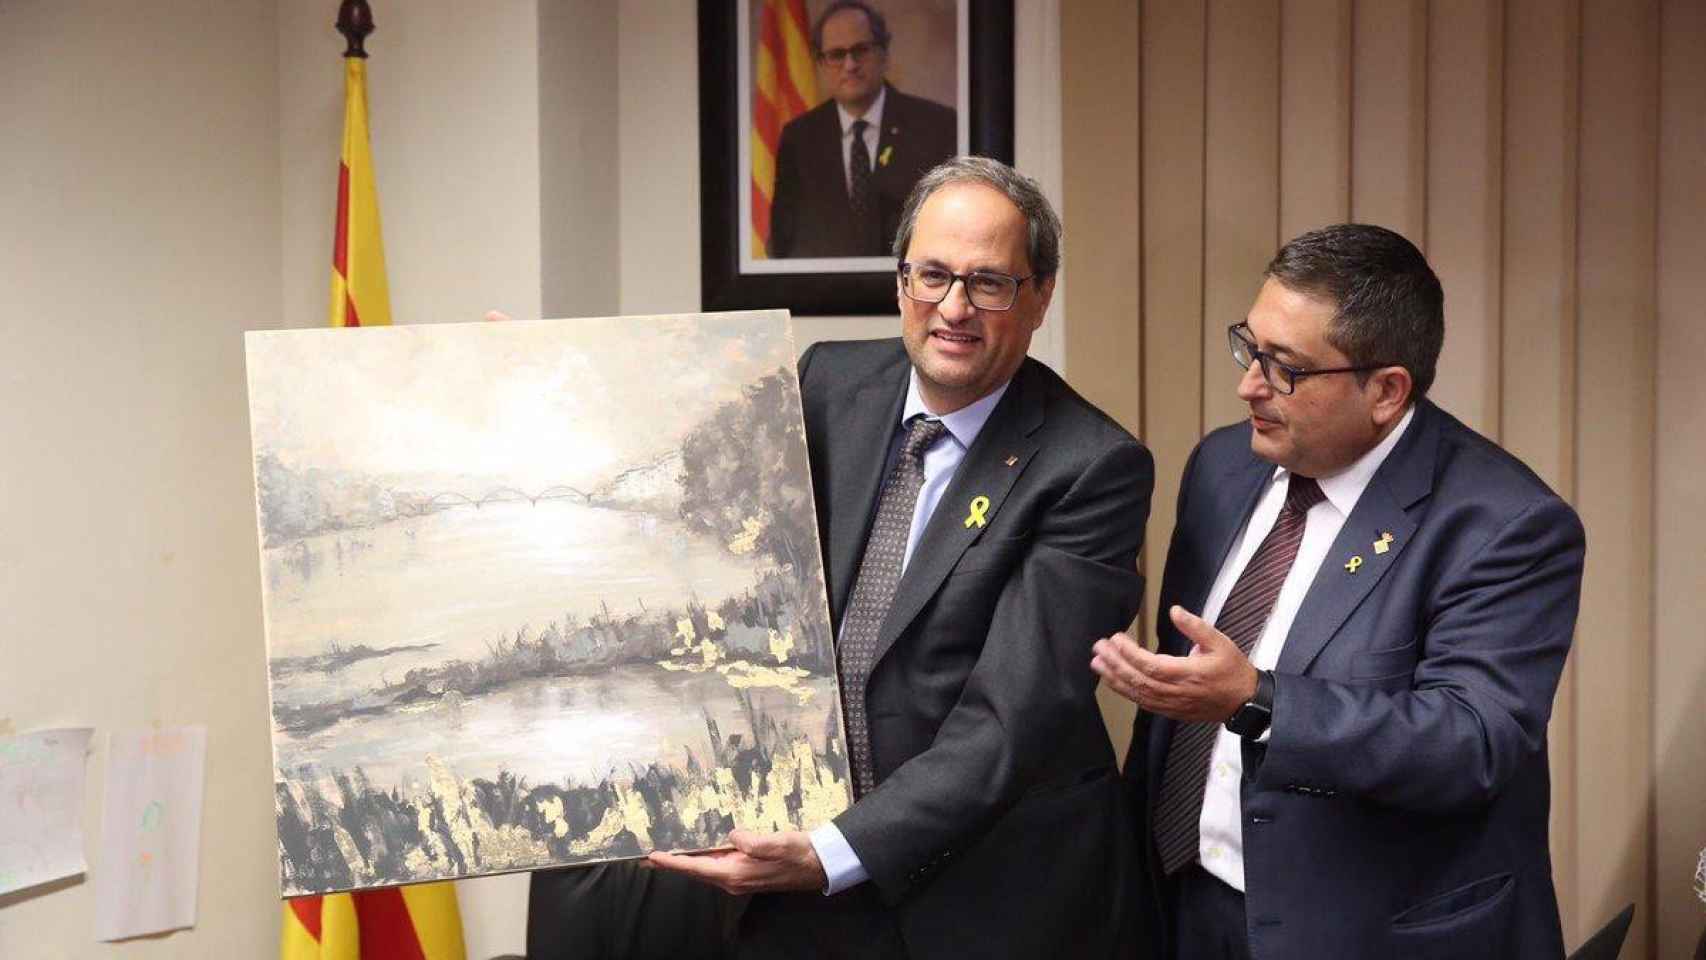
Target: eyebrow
x,y
984,268
1282,352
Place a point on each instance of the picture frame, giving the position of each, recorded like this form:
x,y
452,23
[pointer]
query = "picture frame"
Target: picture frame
x,y
736,273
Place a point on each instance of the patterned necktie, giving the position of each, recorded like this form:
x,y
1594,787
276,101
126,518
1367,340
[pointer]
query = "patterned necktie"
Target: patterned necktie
x,y
873,591
859,174
1242,618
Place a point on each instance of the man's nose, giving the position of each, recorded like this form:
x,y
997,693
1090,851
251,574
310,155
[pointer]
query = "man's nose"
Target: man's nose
x,y
956,307
1253,385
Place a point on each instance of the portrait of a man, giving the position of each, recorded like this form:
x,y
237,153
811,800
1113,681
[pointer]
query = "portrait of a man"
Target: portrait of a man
x,y
843,167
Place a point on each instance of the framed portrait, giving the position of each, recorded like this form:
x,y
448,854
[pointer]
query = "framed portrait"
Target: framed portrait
x,y
816,118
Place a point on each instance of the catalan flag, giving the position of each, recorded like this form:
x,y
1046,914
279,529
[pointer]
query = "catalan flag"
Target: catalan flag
x,y
405,923
360,297
401,923
786,88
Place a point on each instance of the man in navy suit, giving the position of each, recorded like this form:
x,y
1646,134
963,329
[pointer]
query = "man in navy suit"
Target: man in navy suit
x,y
1366,606
844,168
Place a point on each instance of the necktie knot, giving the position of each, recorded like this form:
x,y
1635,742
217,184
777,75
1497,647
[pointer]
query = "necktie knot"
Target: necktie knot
x,y
921,434
1302,493
859,127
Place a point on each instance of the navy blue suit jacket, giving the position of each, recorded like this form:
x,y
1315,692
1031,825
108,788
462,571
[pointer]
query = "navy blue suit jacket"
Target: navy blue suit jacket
x,y
1400,806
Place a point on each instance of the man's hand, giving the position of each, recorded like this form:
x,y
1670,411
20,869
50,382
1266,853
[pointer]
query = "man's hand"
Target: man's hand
x,y
1207,686
759,863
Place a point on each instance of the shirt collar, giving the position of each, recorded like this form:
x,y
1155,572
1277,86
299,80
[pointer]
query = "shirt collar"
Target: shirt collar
x,y
1344,489
965,423
873,116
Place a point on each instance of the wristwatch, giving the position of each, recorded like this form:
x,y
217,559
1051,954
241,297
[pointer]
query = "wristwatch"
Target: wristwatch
x,y
1251,720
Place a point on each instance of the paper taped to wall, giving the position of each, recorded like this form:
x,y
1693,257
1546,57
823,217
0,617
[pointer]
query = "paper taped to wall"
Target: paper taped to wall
x,y
41,794
145,880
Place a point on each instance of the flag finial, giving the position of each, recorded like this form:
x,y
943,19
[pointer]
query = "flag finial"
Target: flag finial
x,y
355,22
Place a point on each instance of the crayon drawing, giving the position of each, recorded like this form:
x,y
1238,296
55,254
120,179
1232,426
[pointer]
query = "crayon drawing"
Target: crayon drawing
x,y
537,593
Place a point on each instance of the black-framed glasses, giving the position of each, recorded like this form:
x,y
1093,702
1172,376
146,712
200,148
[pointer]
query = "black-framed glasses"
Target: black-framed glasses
x,y
860,52
1282,377
986,290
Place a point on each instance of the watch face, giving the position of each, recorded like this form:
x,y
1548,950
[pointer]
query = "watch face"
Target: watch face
x,y
1250,720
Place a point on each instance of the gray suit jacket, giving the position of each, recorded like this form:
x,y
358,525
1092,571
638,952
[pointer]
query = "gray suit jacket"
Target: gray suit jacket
x,y
998,827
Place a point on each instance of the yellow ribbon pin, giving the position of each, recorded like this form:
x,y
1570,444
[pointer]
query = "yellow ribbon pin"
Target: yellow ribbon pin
x,y
884,157
1354,563
979,507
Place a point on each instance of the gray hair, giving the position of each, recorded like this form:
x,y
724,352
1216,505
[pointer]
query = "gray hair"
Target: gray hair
x,y
1043,243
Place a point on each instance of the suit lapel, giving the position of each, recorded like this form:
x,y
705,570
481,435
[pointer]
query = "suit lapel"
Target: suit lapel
x,y
1405,478
1224,520
1009,433
862,447
890,173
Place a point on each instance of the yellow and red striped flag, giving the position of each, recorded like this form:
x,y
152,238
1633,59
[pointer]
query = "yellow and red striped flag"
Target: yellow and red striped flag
x,y
786,88
401,923
360,297
397,923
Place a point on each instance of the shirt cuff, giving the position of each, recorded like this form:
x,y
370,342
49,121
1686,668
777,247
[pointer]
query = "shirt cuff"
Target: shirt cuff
x,y
840,864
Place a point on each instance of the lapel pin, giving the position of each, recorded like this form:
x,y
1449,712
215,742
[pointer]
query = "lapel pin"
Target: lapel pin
x,y
1353,564
887,154
1384,543
979,508
1012,460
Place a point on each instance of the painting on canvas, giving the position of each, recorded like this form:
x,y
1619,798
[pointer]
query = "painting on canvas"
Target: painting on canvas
x,y
537,593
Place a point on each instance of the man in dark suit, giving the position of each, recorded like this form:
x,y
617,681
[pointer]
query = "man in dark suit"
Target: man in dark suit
x,y
980,526
844,167
1365,610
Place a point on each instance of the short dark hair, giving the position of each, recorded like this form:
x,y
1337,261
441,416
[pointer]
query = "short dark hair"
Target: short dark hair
x,y
1388,304
1042,224
873,19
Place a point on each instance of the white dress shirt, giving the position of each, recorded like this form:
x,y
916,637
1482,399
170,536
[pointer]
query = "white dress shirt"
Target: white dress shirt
x,y
840,864
874,118
1222,849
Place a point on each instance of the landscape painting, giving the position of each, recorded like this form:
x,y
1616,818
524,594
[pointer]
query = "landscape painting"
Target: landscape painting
x,y
537,593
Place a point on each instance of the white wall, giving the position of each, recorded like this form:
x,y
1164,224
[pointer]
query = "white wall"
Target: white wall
x,y
139,211
453,100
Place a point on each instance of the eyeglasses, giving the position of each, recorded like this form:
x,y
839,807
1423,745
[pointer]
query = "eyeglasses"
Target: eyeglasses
x,y
1282,377
985,290
860,52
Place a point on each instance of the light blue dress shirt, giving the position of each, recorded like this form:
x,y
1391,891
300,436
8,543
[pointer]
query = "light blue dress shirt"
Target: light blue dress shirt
x,y
840,864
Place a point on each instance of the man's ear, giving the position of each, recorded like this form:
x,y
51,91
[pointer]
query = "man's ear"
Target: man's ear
x,y
1391,388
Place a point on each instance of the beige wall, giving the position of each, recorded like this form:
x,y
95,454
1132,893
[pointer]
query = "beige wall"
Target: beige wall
x,y
139,212
1548,157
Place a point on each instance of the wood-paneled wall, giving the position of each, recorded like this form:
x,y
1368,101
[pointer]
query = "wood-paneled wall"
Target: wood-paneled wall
x,y
1549,156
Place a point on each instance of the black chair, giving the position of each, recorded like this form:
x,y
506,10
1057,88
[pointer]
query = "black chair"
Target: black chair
x,y
1608,942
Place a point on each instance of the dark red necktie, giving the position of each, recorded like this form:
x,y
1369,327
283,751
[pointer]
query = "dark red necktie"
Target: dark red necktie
x,y
1242,618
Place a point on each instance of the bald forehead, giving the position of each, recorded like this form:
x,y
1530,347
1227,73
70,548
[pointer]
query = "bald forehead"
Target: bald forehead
x,y
975,213
846,27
